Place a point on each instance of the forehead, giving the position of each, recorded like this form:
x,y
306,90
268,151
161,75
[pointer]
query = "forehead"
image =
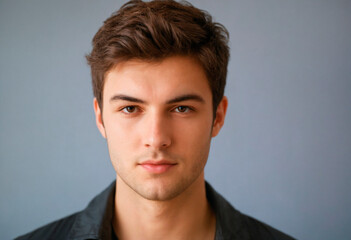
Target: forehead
x,y
157,79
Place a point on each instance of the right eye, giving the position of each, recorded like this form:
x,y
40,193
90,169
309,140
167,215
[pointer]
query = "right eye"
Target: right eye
x,y
129,109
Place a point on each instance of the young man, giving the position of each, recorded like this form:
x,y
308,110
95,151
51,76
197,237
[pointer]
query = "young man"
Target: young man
x,y
159,70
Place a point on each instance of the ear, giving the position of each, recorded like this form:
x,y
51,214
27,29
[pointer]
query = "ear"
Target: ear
x,y
98,118
220,116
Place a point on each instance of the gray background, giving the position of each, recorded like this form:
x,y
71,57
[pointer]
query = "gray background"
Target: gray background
x,y
283,155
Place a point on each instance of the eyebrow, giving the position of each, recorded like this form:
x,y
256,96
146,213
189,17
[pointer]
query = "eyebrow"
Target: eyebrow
x,y
126,98
185,97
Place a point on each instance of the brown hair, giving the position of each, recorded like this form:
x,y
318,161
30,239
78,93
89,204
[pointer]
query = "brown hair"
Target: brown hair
x,y
158,29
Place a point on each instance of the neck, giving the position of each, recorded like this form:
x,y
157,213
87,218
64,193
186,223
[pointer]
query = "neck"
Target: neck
x,y
187,216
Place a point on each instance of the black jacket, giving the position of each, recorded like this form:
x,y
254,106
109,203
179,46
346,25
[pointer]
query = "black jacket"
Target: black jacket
x,y
95,222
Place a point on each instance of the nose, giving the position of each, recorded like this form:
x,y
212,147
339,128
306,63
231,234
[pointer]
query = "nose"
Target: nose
x,y
157,131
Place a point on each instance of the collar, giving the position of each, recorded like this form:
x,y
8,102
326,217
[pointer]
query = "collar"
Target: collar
x,y
95,221
229,221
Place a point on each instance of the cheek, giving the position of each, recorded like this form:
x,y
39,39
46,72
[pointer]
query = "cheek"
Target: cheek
x,y
116,133
118,129
193,135
120,140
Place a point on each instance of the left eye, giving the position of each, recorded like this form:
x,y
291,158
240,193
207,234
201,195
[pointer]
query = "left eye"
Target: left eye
x,y
182,109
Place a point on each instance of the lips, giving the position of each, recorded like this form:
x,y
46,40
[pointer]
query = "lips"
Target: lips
x,y
158,167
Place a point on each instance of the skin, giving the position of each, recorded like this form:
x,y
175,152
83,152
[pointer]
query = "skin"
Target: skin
x,y
160,112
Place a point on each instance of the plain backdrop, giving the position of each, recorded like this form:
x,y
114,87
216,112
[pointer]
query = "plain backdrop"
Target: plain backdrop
x,y
283,155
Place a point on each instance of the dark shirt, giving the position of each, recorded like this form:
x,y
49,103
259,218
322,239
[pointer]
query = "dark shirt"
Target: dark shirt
x,y
95,222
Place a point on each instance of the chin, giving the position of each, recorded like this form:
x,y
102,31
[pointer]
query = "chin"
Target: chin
x,y
163,191
160,195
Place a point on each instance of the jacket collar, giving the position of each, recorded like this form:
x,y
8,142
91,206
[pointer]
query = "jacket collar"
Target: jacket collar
x,y
229,223
95,221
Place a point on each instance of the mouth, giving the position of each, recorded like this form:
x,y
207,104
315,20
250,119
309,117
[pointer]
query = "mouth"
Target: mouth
x,y
157,166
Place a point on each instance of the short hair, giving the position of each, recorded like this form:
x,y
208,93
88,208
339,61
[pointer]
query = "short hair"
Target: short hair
x,y
158,29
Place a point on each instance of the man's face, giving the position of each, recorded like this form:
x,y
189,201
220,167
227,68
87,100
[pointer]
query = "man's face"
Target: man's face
x,y
158,122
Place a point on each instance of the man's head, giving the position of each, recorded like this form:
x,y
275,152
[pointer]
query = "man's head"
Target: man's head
x,y
152,31
159,71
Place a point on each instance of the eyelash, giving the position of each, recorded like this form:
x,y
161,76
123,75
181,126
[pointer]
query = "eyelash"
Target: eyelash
x,y
188,109
125,111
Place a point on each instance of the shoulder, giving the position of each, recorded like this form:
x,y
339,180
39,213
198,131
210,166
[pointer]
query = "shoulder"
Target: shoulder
x,y
84,224
232,224
58,229
261,230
